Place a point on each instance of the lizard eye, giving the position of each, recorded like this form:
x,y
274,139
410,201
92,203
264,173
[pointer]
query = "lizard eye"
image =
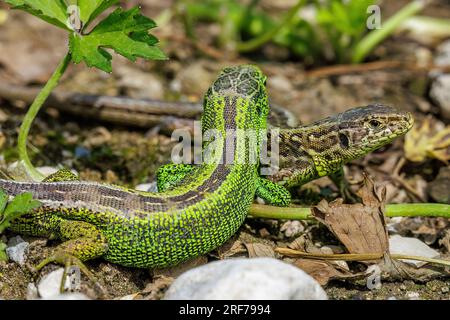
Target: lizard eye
x,y
343,140
374,124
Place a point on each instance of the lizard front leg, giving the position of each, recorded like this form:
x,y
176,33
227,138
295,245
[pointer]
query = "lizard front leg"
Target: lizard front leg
x,y
341,183
170,175
272,193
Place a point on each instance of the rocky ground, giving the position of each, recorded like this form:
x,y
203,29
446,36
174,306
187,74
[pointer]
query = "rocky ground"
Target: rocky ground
x,y
112,153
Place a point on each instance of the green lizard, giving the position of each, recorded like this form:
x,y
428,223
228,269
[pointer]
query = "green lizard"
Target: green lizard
x,y
147,230
201,206
319,149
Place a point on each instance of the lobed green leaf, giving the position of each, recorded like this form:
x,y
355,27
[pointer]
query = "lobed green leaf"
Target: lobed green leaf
x,y
52,11
90,9
126,32
20,205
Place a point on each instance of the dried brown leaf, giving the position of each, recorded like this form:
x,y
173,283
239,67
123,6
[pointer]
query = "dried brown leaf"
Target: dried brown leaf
x,y
393,270
430,139
231,248
323,271
175,271
360,227
156,289
305,244
438,189
445,241
2,140
259,250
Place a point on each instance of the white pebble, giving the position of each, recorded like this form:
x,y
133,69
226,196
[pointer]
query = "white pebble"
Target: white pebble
x,y
258,278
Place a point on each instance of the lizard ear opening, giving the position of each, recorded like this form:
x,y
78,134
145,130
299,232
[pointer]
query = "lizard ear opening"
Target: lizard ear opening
x,y
343,140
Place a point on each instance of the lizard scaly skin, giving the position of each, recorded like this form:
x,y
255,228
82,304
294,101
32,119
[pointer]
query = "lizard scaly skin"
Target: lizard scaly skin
x,y
203,205
323,147
147,230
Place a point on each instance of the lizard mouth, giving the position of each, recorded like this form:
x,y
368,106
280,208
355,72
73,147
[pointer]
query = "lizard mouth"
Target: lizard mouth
x,y
410,121
406,124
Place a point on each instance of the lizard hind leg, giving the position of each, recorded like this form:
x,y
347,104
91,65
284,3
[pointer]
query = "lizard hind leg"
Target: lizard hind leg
x,y
62,175
273,193
83,242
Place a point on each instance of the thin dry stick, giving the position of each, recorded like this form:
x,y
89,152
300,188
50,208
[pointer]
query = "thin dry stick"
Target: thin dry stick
x,y
356,256
399,179
202,47
372,66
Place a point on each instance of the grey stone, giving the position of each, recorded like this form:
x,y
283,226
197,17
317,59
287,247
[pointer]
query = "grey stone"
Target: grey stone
x,y
68,296
440,87
258,278
440,93
148,187
443,54
412,247
439,188
17,250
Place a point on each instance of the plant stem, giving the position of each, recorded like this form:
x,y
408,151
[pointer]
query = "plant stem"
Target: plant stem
x,y
373,38
31,115
255,43
392,210
418,210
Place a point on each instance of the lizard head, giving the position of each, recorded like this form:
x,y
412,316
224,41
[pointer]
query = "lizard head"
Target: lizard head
x,y
364,129
245,80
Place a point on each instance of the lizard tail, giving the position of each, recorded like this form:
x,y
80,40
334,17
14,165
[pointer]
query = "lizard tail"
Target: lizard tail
x,y
13,188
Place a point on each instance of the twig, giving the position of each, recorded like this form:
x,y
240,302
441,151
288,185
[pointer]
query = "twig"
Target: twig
x,y
147,106
399,179
356,256
143,113
199,45
336,70
119,110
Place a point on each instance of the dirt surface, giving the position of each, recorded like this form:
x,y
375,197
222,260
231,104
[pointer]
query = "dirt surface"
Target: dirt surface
x,y
101,151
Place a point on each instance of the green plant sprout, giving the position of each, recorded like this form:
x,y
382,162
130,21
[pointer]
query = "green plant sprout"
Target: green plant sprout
x,y
124,31
17,207
336,32
372,39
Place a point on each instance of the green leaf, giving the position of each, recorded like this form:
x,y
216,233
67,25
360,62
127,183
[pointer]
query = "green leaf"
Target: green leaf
x,y
3,255
20,205
90,9
126,32
3,201
52,11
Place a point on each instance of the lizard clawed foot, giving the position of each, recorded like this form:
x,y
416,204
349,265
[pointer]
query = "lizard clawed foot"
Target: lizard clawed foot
x,y
68,261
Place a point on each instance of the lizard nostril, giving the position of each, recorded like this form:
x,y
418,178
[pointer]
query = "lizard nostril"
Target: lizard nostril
x,y
343,140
